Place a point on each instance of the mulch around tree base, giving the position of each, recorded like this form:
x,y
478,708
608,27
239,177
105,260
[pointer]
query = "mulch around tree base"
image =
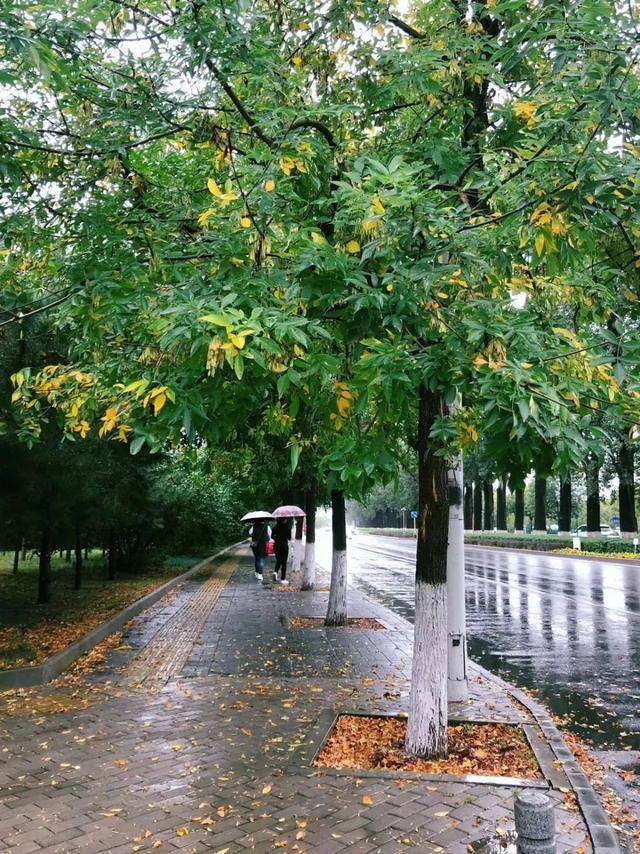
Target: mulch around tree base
x,y
352,623
296,588
377,743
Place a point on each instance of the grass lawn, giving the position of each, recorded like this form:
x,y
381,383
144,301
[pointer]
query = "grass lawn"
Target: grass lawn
x,y
29,633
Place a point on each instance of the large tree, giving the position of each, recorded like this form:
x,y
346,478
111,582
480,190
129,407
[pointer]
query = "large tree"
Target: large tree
x,y
257,196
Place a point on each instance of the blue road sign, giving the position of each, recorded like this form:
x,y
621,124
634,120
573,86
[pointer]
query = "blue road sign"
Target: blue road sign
x,y
414,514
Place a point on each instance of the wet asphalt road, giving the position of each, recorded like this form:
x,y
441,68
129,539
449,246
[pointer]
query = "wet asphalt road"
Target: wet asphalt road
x,y
567,629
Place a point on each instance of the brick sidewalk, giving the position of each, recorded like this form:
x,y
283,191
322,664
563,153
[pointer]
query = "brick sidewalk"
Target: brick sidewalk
x,y
200,730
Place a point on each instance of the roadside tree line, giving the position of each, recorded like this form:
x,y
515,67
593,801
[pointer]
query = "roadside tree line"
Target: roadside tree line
x,y
356,241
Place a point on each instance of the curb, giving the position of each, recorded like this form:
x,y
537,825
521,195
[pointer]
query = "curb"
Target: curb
x,y
602,834
28,677
603,837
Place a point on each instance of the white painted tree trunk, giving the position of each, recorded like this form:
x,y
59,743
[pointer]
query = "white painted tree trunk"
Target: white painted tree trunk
x,y
427,724
295,556
337,607
458,687
309,566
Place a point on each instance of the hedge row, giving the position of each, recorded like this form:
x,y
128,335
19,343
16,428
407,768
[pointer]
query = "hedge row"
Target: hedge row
x,y
546,543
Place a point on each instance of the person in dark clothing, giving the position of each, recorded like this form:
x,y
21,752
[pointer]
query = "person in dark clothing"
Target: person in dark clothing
x,y
281,536
259,539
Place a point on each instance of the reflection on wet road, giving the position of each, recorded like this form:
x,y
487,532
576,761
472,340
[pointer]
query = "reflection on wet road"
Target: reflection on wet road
x,y
568,629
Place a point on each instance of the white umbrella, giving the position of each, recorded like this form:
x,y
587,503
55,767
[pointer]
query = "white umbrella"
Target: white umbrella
x,y
257,516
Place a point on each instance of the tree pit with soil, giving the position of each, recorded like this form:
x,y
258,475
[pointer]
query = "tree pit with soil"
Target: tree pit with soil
x,y
297,588
376,743
352,623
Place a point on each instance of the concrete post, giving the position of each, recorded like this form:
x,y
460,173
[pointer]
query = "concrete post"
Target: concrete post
x,y
457,685
535,823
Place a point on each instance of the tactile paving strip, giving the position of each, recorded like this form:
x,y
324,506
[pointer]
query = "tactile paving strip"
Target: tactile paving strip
x,y
165,655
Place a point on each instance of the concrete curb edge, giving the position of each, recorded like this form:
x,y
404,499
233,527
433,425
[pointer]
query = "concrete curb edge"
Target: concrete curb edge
x,y
603,837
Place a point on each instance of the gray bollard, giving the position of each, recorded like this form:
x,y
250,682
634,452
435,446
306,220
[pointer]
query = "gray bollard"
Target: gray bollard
x,y
535,823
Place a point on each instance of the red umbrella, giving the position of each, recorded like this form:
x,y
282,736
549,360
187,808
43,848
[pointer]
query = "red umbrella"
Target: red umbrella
x,y
288,511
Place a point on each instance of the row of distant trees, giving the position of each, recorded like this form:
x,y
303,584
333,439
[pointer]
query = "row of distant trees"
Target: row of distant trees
x,y
91,493
591,496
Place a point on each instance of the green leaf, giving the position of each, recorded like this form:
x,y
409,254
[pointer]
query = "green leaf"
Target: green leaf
x,y
136,445
295,456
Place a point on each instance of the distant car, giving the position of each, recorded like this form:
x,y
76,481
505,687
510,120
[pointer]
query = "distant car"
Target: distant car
x,y
552,529
606,531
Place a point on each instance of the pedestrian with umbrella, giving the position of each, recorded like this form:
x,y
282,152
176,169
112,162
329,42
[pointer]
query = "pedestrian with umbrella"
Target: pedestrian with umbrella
x,y
281,535
260,535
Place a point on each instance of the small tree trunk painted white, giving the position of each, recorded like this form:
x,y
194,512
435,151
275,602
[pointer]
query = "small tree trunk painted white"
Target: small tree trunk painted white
x,y
309,564
298,547
457,687
337,606
427,724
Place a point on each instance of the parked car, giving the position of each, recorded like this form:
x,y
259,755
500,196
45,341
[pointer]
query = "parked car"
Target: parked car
x,y
606,531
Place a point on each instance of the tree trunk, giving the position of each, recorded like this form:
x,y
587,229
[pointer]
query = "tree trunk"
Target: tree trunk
x,y
16,560
626,490
501,505
337,607
540,507
44,567
309,566
593,494
86,554
468,507
67,556
519,508
77,570
477,505
487,490
427,724
564,513
112,557
297,546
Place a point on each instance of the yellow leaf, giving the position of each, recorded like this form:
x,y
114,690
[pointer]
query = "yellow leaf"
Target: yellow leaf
x,y
205,216
479,360
353,247
158,403
367,800
213,188
317,238
270,186
527,365
297,61
266,789
539,243
182,831
245,222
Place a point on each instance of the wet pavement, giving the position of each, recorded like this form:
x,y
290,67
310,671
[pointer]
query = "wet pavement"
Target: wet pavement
x,y
202,724
568,629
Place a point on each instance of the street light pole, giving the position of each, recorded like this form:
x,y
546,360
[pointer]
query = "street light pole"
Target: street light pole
x,y
457,685
403,510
